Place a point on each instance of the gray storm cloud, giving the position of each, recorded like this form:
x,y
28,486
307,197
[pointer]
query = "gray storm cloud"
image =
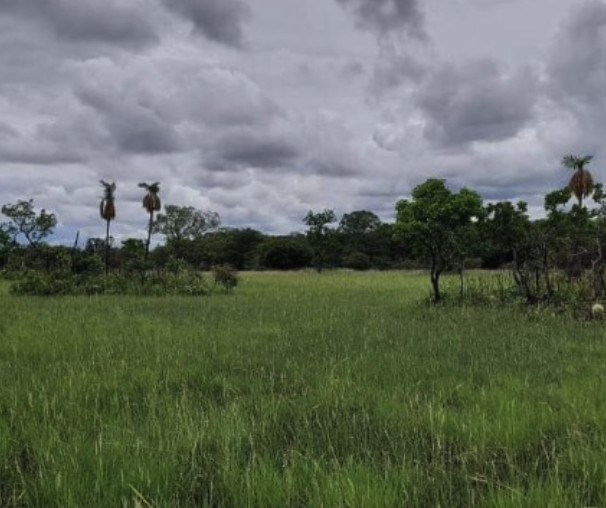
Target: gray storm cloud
x,y
111,21
218,20
133,127
248,148
476,101
383,16
576,69
93,89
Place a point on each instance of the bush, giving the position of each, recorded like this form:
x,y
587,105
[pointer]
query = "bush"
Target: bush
x,y
357,261
42,284
285,253
225,277
54,284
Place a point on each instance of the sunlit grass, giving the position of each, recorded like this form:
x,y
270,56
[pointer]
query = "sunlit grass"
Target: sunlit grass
x,y
299,390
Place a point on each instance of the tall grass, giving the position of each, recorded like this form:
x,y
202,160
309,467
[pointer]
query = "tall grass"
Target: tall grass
x,y
299,390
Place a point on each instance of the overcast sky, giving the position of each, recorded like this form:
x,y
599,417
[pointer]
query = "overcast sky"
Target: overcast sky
x,y
263,109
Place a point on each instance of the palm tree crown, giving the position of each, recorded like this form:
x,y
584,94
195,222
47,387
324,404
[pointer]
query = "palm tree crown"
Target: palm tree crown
x,y
581,183
107,207
151,200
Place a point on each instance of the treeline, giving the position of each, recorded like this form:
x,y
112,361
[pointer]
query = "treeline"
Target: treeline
x,y
437,228
194,239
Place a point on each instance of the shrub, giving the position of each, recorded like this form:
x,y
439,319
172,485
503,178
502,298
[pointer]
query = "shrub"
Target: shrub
x,y
285,253
357,261
225,277
41,284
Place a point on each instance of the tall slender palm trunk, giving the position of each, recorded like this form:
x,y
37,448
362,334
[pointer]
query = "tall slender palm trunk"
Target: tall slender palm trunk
x,y
149,233
107,246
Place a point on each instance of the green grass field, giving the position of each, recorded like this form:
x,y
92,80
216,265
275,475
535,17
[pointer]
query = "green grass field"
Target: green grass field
x,y
298,390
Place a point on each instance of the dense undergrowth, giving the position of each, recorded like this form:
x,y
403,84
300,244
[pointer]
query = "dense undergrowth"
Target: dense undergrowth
x,y
563,295
184,283
299,390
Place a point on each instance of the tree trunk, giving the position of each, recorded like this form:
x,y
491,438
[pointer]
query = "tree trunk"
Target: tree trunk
x,y
520,276
149,233
107,247
74,250
461,281
435,285
436,271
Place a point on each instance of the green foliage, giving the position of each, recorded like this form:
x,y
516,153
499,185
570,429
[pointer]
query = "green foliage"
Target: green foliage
x,y
359,222
555,200
225,277
87,262
65,283
133,254
229,246
438,224
285,253
357,261
185,222
6,245
25,221
320,236
506,225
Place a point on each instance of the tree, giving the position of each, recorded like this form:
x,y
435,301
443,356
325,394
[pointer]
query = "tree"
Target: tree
x,y
285,253
107,209
229,246
367,242
185,222
24,220
152,203
581,183
132,255
6,245
436,222
507,229
359,222
318,235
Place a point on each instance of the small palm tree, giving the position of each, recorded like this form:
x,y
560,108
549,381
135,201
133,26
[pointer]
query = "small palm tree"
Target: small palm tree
x,y
107,210
152,203
581,183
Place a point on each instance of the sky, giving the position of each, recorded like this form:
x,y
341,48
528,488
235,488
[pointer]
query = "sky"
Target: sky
x,y
261,110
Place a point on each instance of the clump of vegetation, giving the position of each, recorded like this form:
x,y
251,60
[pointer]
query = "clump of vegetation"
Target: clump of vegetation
x,y
225,277
66,283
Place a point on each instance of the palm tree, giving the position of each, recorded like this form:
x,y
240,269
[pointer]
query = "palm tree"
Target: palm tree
x,y
152,203
107,209
581,183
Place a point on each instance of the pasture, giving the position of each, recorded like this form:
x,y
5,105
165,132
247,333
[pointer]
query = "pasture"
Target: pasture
x,y
298,390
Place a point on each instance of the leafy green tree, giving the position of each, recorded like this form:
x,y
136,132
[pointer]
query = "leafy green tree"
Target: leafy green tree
x,y
24,220
507,228
132,255
153,204
6,245
361,233
319,235
359,223
290,252
107,210
228,246
185,222
436,223
581,183
567,234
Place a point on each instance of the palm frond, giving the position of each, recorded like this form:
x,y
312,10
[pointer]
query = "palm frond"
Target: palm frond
x,y
576,163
